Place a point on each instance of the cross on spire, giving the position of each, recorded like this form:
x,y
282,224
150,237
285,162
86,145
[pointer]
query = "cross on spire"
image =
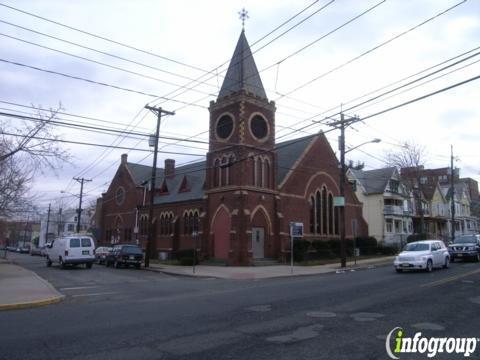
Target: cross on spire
x,y
243,16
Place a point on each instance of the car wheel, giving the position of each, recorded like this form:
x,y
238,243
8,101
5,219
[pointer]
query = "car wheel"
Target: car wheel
x,y
49,262
446,265
477,258
106,263
429,267
137,266
452,259
89,265
62,264
398,270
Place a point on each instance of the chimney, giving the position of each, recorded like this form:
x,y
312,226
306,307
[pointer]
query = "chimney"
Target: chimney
x,y
169,168
124,159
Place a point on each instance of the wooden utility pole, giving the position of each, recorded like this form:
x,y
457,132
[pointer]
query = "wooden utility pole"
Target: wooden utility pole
x,y
342,124
81,181
151,231
452,194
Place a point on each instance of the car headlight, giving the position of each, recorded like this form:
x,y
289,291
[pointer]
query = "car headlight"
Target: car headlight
x,y
397,258
421,258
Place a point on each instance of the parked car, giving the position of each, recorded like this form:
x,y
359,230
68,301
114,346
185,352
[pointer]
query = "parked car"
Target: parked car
x,y
125,255
71,250
23,249
465,247
423,255
101,253
37,251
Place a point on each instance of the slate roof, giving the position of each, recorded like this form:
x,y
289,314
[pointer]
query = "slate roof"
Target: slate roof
x,y
242,73
374,181
287,153
194,173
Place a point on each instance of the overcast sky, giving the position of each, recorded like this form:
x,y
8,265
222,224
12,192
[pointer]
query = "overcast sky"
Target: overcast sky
x,y
186,42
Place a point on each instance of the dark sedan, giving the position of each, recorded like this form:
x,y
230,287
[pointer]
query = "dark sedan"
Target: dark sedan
x,y
125,255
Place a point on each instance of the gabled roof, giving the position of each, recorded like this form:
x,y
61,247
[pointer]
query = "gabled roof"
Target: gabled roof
x,y
194,173
374,181
288,152
242,73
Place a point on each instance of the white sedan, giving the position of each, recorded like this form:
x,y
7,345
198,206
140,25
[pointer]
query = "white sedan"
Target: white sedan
x,y
423,255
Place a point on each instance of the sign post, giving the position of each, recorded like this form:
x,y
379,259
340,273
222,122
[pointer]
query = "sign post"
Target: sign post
x,y
296,231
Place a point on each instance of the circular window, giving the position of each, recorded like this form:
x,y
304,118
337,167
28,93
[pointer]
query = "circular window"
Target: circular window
x,y
224,126
259,127
120,196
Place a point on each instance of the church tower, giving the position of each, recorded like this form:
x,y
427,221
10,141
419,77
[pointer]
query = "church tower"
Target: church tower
x,y
241,165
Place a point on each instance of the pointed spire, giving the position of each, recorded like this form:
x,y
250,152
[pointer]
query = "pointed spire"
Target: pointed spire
x,y
242,73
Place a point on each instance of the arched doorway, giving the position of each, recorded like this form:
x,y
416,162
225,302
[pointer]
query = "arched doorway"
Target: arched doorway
x,y
260,245
221,233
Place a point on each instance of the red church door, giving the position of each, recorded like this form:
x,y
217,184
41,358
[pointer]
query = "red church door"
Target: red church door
x,y
221,233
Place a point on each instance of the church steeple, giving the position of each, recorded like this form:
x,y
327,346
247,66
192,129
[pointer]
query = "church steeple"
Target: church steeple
x,y
242,73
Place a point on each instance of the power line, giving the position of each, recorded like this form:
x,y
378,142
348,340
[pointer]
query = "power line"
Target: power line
x,y
101,63
98,83
95,144
372,49
102,37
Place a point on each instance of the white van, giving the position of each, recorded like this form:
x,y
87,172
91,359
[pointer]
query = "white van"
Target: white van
x,y
72,249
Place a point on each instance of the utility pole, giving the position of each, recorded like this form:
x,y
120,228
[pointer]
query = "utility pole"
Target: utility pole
x,y
452,194
81,181
48,223
150,240
342,124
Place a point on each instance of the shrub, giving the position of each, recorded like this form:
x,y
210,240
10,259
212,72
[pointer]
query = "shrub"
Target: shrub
x,y
336,247
300,249
185,257
387,250
323,250
416,237
366,244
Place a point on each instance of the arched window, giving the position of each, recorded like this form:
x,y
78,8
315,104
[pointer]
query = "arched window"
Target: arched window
x,y
312,214
318,209
216,173
223,172
170,224
162,224
337,220
267,173
195,222
186,221
330,214
253,162
324,211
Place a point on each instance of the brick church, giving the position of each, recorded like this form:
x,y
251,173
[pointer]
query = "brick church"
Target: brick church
x,y
237,205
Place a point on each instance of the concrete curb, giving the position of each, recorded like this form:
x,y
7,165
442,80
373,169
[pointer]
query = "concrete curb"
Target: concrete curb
x,y
330,271
32,304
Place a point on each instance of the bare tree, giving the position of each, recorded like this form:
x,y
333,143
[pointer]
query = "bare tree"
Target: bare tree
x,y
410,161
26,147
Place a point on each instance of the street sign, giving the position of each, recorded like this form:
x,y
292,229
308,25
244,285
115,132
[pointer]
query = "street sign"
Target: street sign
x,y
296,229
338,201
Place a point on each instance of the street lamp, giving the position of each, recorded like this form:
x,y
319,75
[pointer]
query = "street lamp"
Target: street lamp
x,y
373,141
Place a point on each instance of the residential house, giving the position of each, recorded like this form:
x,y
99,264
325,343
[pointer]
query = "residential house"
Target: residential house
x,y
387,204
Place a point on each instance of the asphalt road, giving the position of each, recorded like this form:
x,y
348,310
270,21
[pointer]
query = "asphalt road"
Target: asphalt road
x,y
136,314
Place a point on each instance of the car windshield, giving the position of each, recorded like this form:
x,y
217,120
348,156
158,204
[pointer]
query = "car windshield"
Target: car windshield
x,y
417,247
132,250
465,239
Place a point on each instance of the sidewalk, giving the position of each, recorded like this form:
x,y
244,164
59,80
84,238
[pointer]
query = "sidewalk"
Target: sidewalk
x,y
22,288
264,272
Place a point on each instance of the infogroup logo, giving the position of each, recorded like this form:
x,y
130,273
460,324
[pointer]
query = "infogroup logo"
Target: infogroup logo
x,y
400,344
